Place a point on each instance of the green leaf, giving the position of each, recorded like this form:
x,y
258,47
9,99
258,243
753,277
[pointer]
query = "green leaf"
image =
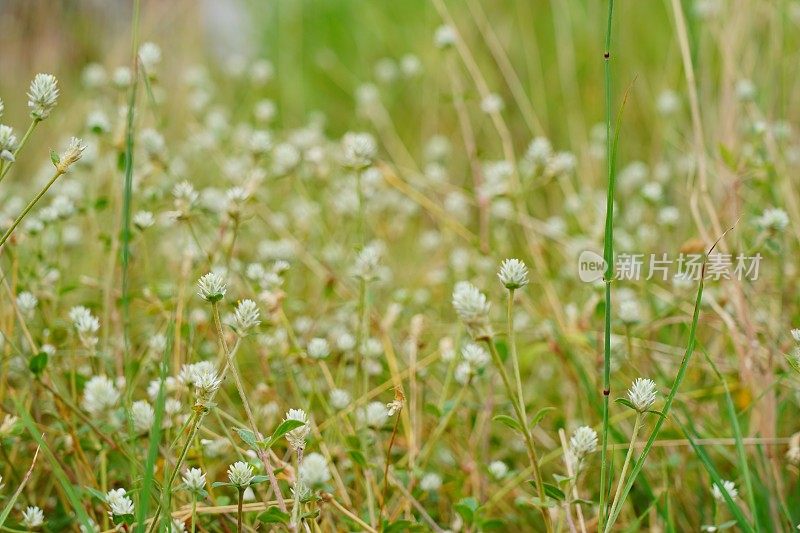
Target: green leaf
x,y
510,422
554,492
537,502
222,484
626,402
54,158
467,507
357,458
273,515
285,427
539,416
259,479
247,436
38,363
96,493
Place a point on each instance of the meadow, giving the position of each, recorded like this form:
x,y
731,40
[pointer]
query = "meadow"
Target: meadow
x,y
430,265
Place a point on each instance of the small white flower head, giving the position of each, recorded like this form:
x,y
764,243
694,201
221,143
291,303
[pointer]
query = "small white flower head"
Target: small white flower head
x,y
2,107
150,55
122,77
27,303
318,348
194,479
153,143
796,334
85,324
498,469
206,383
99,395
492,103
297,436
358,149
513,274
240,474
745,89
71,155
727,486
8,140
642,394
314,470
629,311
793,455
119,503
475,355
143,415
285,157
177,526
374,414
143,220
42,95
539,151
246,316
583,442
339,398
773,219
445,36
32,517
473,309
92,528
185,195
430,482
367,263
211,287
394,407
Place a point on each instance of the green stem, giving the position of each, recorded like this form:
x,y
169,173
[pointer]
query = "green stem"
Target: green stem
x,y
608,256
512,339
239,511
28,207
616,502
24,140
537,475
297,487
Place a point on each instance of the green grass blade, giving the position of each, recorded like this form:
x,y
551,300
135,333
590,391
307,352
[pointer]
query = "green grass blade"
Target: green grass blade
x,y
58,472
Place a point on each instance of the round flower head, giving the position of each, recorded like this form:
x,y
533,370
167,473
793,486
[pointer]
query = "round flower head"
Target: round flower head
x,y
119,502
773,219
8,141
583,442
314,470
513,274
211,287
246,316
358,149
143,416
475,355
727,486
42,95
206,383
297,436
339,398
430,482
240,474
374,415
318,348
445,36
70,156
150,55
498,469
473,309
32,517
99,395
194,479
143,220
492,103
642,394
796,334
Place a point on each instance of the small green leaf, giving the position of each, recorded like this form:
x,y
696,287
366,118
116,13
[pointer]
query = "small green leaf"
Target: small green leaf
x,y
247,436
357,458
626,402
259,479
539,416
467,507
285,427
273,515
508,421
37,363
96,493
54,157
222,484
537,502
554,492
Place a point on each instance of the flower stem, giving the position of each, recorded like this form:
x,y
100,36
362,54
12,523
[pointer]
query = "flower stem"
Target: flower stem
x,y
28,207
616,501
512,340
19,147
239,511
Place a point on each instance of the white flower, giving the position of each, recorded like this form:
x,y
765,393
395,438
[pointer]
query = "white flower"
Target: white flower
x,y
430,482
796,334
314,470
513,274
42,95
728,486
143,219
583,442
99,395
240,474
27,302
358,149
368,261
143,415
492,103
339,398
472,308
773,219
119,503
318,348
374,414
297,436
32,517
498,469
153,143
194,479
445,36
629,311
8,141
642,394
539,151
668,102
150,55
122,77
92,528
85,324
246,316
211,287
284,158
745,89
185,195
475,355
72,154
206,383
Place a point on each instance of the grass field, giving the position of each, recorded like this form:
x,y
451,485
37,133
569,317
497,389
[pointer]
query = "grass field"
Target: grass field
x,y
430,265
